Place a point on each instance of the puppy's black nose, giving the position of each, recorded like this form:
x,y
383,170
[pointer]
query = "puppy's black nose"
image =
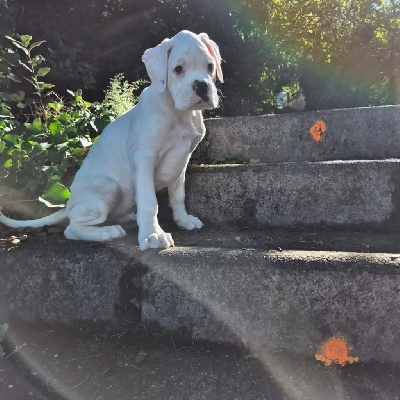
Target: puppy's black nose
x,y
201,89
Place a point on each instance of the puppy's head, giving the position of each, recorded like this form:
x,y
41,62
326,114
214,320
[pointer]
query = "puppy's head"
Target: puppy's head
x,y
187,65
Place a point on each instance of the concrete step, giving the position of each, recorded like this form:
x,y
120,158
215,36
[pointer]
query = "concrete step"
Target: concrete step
x,y
345,134
329,194
345,194
229,286
91,363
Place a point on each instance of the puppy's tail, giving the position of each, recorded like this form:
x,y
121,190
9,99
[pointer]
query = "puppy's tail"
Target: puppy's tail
x,y
52,219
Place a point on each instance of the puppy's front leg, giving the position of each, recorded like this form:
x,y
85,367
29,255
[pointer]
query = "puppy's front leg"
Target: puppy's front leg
x,y
150,233
176,193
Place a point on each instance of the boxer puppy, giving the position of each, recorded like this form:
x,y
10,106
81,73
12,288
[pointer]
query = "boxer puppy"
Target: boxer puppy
x,y
145,150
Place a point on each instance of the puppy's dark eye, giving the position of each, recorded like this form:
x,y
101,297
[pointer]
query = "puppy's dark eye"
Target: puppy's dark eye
x,y
210,67
178,69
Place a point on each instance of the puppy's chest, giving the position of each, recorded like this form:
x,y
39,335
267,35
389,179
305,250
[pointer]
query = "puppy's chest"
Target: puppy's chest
x,y
182,141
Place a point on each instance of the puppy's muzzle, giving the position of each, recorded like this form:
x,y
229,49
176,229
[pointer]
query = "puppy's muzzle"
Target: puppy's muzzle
x,y
201,89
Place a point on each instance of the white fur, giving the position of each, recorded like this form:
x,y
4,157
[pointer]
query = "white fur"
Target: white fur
x,y
145,150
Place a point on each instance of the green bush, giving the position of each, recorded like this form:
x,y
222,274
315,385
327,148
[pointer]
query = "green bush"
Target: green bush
x,y
120,95
43,137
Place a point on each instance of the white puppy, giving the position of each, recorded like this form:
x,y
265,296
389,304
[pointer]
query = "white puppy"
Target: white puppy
x,y
145,150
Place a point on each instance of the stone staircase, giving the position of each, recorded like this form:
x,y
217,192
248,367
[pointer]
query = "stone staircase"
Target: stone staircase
x,y
297,248
333,168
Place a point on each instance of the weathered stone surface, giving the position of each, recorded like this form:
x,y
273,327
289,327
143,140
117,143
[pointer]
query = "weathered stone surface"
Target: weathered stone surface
x,y
228,288
321,194
292,301
358,133
65,282
92,364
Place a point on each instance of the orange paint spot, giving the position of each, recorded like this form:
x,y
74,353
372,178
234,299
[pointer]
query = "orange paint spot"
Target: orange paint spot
x,y
317,130
335,351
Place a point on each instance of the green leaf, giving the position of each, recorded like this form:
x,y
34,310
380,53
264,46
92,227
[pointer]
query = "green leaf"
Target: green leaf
x,y
55,127
18,44
36,126
26,146
54,155
11,138
71,130
37,60
21,95
13,77
11,39
36,44
37,148
75,114
43,71
60,137
2,146
5,112
8,163
63,117
55,106
102,122
43,85
25,39
15,97
78,151
56,194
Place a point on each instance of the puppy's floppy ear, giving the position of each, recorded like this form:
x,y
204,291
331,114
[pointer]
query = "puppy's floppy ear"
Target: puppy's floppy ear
x,y
214,51
156,62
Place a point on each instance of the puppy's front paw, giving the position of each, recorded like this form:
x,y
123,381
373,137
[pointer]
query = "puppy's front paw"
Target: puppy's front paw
x,y
160,240
188,222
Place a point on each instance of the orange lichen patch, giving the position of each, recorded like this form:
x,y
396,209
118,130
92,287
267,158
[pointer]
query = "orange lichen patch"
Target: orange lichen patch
x,y
335,350
317,130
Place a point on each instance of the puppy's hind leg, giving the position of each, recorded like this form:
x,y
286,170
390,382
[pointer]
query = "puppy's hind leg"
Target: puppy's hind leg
x,y
131,217
90,207
83,217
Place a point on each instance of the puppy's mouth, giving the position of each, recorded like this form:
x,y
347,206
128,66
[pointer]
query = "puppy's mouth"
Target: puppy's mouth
x,y
203,105
204,100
